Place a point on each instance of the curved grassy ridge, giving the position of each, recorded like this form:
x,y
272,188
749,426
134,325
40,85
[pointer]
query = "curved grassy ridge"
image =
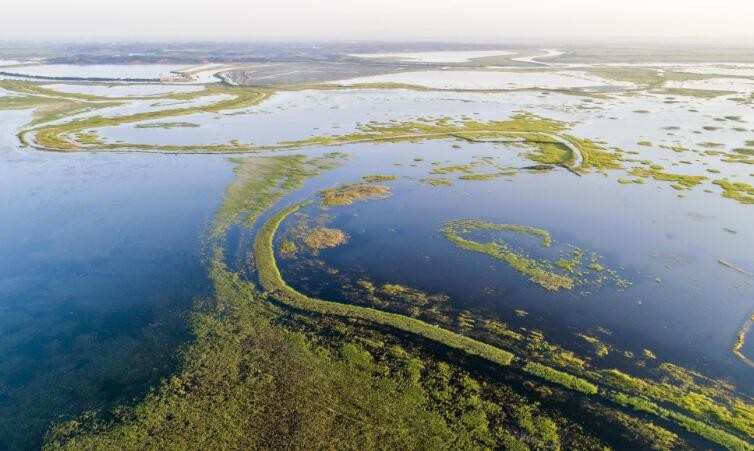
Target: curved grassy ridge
x,y
57,137
271,280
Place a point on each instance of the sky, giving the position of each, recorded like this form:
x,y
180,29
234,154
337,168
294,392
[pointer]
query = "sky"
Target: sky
x,y
379,20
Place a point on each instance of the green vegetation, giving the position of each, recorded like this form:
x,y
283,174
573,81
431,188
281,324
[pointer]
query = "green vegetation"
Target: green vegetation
x,y
348,194
437,181
320,238
594,156
288,249
560,378
645,432
740,191
694,426
542,272
378,178
536,271
679,388
680,181
463,168
251,195
711,145
483,177
744,151
61,136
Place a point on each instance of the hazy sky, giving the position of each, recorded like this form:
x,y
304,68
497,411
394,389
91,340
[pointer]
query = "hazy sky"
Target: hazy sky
x,y
458,20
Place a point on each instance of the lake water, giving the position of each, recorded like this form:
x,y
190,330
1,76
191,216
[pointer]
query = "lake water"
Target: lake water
x,y
100,264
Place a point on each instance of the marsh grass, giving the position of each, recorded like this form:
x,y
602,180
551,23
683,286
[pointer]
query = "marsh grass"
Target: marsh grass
x,y
348,194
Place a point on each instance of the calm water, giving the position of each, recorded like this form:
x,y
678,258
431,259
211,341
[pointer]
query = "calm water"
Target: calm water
x,y
99,264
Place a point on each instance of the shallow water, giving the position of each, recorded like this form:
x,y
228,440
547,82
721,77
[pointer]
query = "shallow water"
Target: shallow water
x,y
100,263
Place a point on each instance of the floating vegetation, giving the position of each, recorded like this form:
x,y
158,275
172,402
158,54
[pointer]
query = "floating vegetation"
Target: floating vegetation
x,y
463,168
483,177
740,191
378,178
711,145
348,194
594,155
288,249
320,238
437,181
744,151
540,271
680,181
600,348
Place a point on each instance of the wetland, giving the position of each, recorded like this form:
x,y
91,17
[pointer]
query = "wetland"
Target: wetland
x,y
429,253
